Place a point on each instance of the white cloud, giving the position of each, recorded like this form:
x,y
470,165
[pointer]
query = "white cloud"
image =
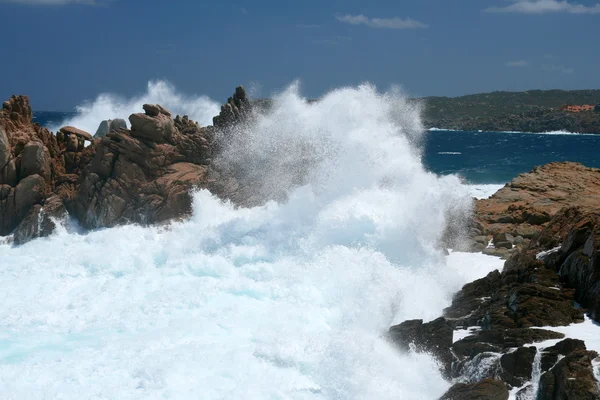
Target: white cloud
x,y
387,23
53,2
558,68
546,6
517,64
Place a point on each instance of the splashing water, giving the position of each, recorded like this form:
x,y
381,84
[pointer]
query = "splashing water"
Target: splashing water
x,y
110,106
287,300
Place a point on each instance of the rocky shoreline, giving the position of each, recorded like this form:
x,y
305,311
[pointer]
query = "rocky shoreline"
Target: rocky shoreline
x,y
545,223
551,279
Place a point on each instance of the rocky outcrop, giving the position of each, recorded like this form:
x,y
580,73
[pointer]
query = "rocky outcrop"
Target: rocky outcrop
x,y
516,213
28,163
434,337
548,221
109,125
525,205
571,242
572,376
142,175
41,220
236,109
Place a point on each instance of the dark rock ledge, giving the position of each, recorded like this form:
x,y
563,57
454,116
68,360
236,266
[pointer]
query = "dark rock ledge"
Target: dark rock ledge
x,y
517,308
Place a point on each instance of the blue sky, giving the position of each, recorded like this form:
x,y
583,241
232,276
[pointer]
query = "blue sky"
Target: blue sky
x,y
62,52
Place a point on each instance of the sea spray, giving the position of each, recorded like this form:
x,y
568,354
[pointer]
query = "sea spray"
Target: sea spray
x,y
111,106
288,299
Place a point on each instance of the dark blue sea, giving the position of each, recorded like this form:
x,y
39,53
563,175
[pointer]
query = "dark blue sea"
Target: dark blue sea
x,y
479,157
497,157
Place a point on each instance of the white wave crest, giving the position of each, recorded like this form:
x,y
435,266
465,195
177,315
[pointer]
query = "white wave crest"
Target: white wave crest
x,y
110,106
286,300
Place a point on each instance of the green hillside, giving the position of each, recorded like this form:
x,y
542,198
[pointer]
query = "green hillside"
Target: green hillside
x,y
499,103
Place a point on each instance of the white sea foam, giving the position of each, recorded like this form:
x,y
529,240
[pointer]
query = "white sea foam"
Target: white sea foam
x,y
484,191
588,331
288,300
110,106
521,132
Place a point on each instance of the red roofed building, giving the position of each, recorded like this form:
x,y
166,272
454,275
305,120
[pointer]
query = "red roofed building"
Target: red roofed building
x,y
575,108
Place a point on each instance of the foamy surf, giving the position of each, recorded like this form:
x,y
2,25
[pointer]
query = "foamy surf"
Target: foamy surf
x,y
286,300
110,106
484,191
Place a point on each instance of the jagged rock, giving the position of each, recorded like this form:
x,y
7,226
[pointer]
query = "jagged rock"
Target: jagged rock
x,y
488,389
235,110
517,366
528,202
469,299
154,110
142,175
40,221
5,155
539,305
154,126
35,160
110,125
499,340
16,202
550,355
571,378
433,337
71,130
577,233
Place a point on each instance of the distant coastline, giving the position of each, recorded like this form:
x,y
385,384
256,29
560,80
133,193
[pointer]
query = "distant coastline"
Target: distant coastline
x,y
535,111
566,133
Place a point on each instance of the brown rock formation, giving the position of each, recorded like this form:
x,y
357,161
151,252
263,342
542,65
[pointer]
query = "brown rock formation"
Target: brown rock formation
x,y
28,163
525,205
571,378
142,175
145,174
557,208
234,111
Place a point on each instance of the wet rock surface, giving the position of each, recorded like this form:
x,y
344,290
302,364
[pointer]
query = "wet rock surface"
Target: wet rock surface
x,y
434,337
547,224
488,389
